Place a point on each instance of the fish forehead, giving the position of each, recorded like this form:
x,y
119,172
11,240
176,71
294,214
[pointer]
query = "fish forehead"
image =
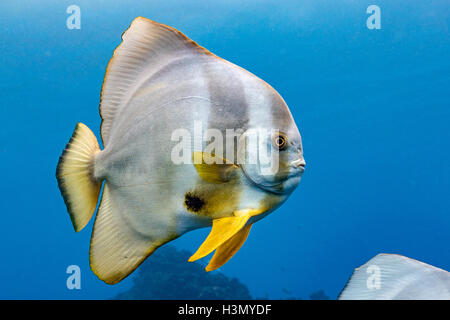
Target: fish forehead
x,y
239,95
254,100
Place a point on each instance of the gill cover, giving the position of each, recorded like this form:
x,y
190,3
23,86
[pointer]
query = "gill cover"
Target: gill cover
x,y
258,160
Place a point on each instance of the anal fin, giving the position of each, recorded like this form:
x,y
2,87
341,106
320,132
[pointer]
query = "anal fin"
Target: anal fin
x,y
116,248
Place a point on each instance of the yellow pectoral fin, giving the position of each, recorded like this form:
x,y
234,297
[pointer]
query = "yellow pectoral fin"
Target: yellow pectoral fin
x,y
222,230
228,249
212,168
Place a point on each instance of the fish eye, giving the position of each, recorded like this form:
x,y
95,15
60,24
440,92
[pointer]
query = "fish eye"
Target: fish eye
x,y
279,141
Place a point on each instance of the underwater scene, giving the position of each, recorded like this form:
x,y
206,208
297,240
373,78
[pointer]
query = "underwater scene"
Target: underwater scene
x,y
237,150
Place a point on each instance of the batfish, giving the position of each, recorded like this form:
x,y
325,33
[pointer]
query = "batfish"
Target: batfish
x,y
190,140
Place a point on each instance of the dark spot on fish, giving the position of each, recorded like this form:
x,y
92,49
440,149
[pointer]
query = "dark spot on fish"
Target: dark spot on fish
x,y
193,202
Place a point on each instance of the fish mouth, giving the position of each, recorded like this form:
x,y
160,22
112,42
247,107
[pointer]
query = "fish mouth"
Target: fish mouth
x,y
299,163
298,166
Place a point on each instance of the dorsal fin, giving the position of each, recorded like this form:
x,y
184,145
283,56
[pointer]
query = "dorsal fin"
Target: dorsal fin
x,y
146,47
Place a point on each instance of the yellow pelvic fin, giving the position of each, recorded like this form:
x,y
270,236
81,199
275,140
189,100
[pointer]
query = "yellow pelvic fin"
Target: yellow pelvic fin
x,y
228,249
212,168
222,230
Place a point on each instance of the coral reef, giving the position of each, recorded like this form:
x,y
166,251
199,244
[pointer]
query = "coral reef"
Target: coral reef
x,y
168,275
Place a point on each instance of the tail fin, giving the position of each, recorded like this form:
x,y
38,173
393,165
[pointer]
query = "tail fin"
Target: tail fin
x,y
74,174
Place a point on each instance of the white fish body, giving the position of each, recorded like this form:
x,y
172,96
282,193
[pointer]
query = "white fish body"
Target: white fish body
x,y
158,82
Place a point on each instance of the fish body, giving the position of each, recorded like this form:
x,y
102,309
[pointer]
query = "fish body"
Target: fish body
x,y
163,99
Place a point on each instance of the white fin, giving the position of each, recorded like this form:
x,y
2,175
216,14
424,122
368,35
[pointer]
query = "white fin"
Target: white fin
x,y
74,174
395,277
117,249
146,47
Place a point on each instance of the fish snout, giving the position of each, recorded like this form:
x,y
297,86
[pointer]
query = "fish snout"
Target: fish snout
x,y
299,163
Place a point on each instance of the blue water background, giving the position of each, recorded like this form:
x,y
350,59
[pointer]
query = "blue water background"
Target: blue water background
x,y
373,108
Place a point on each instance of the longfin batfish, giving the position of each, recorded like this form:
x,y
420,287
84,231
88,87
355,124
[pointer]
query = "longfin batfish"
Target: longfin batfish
x,y
158,181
